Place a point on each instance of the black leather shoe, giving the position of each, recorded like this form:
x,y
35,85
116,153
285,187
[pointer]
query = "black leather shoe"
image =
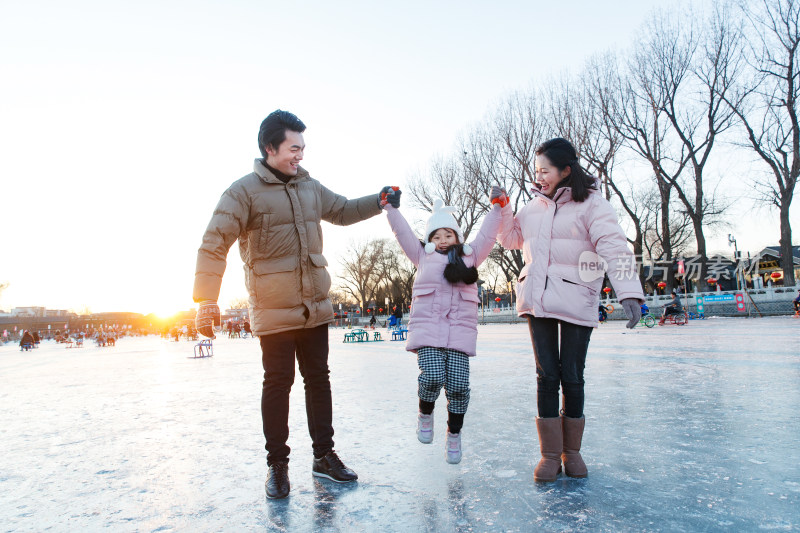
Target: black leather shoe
x,y
331,467
277,484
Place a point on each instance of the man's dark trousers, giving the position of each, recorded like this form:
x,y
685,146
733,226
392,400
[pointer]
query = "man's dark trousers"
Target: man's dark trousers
x,y
278,352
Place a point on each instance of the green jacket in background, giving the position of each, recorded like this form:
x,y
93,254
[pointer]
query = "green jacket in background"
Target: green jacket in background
x,y
280,242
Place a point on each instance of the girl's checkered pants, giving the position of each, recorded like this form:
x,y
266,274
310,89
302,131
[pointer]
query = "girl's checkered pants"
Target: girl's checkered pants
x,y
442,367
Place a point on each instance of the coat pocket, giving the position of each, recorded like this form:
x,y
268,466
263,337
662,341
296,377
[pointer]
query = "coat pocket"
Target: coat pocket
x,y
319,275
276,283
470,296
570,298
520,287
468,304
423,305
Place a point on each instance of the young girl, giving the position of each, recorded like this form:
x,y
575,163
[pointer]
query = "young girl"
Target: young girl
x,y
443,327
564,232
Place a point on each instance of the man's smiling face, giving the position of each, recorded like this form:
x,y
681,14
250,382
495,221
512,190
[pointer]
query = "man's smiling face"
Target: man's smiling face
x,y
288,155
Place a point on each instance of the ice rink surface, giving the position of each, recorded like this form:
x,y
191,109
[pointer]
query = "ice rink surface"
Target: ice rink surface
x,y
693,428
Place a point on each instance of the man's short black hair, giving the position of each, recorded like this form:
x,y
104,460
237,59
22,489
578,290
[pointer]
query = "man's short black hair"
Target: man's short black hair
x,y
273,129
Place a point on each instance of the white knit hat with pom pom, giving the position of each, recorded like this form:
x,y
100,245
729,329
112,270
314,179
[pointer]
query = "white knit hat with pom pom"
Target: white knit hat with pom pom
x,y
442,217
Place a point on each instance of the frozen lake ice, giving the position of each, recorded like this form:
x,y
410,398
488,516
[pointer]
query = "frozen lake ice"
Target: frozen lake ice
x,y
692,428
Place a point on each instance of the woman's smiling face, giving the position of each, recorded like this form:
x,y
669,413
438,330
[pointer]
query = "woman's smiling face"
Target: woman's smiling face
x,y
548,176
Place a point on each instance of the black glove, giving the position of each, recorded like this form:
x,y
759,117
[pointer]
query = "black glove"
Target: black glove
x,y
390,195
633,310
207,317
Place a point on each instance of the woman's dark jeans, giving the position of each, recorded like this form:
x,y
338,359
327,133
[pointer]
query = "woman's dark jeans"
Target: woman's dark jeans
x,y
559,363
278,352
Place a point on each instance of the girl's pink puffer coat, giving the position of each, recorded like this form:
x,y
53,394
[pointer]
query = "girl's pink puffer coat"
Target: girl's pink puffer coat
x,y
443,314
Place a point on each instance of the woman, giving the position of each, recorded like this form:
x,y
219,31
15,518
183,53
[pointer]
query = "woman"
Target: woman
x,y
568,232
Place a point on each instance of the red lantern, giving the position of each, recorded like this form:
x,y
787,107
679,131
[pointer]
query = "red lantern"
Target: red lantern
x,y
776,275
497,299
661,285
369,310
380,309
711,281
358,311
607,290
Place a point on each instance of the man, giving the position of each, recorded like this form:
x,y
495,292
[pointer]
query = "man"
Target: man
x,y
672,308
275,213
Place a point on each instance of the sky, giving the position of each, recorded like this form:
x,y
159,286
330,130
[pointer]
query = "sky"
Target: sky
x,y
121,123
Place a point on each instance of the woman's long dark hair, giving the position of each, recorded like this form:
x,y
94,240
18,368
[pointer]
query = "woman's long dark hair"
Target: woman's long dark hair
x,y
562,154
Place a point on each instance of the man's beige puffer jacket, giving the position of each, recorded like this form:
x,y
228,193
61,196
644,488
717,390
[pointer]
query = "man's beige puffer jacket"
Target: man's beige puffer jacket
x,y
280,242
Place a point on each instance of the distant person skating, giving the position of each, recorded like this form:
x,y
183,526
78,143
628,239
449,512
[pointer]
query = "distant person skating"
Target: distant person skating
x,y
674,307
275,212
372,321
443,323
602,313
796,304
566,220
26,340
398,315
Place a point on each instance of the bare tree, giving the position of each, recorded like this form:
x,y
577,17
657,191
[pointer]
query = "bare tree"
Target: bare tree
x,y
766,106
599,141
642,123
696,67
442,180
461,180
648,204
519,125
359,275
396,274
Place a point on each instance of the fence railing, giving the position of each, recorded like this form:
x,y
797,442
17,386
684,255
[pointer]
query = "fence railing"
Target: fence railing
x,y
765,301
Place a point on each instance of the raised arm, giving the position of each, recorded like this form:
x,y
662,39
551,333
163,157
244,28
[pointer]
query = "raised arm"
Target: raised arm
x,y
404,234
484,242
510,236
341,211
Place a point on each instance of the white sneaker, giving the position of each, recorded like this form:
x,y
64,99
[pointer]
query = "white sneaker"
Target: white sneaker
x,y
453,448
425,428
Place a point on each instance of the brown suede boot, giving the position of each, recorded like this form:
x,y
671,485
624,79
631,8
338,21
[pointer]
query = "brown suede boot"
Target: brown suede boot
x,y
573,434
550,445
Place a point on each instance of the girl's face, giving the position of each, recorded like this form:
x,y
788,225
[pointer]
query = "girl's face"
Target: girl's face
x,y
443,238
549,176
